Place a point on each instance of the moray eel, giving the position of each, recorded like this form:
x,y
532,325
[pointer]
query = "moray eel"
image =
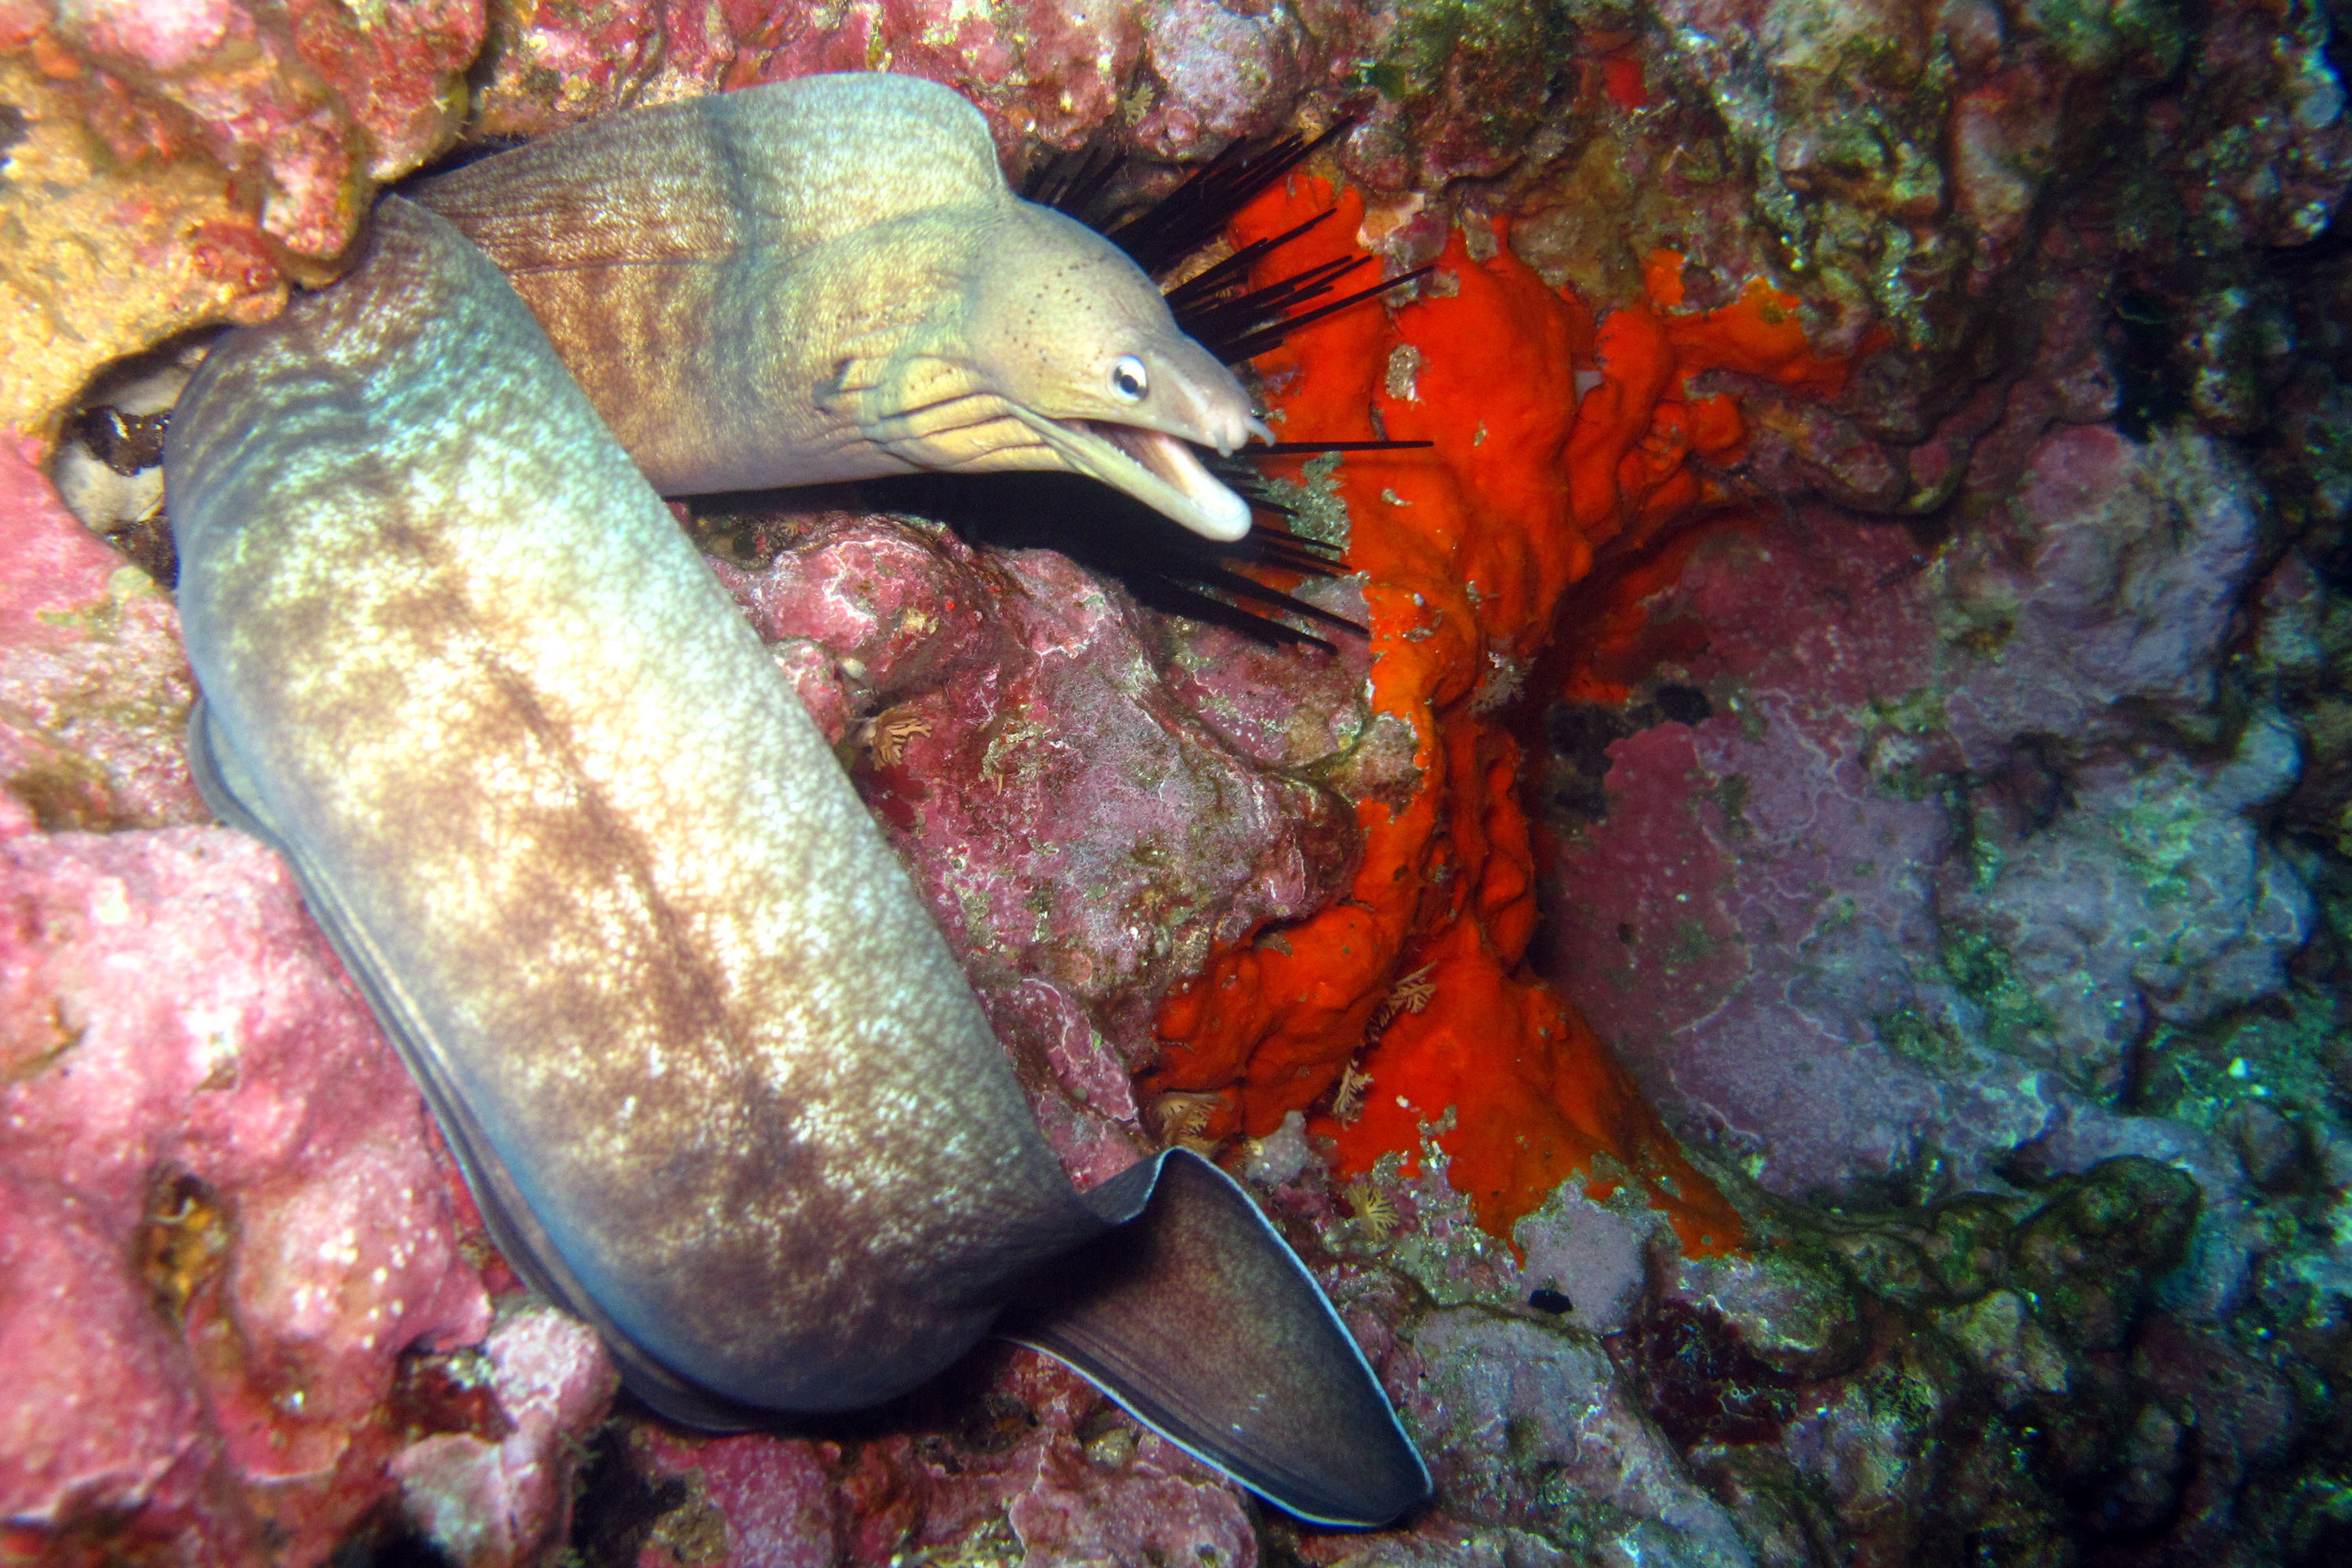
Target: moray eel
x,y
714,1076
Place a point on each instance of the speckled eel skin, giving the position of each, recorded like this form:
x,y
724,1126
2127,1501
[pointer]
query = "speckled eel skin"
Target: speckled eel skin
x,y
716,1078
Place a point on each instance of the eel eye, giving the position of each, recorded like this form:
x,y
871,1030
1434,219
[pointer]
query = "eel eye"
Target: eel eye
x,y
1128,379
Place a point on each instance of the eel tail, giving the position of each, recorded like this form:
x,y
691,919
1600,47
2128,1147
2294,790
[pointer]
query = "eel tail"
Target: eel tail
x,y
1198,1317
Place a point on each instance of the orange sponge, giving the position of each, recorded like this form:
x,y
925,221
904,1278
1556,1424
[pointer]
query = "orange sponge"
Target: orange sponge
x,y
1407,1008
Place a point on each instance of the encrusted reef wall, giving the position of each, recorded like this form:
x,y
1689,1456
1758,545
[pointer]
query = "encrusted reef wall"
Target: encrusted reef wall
x,y
1792,988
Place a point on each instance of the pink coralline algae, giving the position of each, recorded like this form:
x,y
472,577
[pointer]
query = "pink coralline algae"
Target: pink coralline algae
x,y
94,690
314,98
222,148
1039,1464
498,1490
227,1219
1222,71
1034,68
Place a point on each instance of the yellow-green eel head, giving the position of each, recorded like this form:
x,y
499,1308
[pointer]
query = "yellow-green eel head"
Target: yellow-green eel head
x,y
797,295
712,1072
1082,349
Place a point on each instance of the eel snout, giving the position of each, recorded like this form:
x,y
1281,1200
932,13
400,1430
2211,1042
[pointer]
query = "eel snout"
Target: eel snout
x,y
1190,395
1156,468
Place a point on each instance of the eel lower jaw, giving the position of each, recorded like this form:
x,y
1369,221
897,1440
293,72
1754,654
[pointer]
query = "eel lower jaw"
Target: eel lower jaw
x,y
1156,468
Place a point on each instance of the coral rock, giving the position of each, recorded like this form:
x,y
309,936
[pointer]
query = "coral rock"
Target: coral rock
x,y
228,1215
219,148
1780,920
490,1498
1084,828
94,689
1039,1463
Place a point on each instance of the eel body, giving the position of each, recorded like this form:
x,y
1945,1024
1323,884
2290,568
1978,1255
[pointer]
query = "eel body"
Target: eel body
x,y
718,1082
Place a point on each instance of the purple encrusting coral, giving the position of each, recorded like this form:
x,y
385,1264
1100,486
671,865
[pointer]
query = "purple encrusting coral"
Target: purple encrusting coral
x,y
1909,896
1966,874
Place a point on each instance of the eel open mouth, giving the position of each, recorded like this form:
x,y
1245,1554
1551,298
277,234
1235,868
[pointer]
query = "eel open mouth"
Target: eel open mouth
x,y
1156,468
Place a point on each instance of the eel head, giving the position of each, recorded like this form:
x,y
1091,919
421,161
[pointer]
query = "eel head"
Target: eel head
x,y
1082,346
1057,352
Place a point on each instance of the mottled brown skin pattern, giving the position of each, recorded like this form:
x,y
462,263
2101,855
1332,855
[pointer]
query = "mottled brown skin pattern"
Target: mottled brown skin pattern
x,y
645,933
710,1069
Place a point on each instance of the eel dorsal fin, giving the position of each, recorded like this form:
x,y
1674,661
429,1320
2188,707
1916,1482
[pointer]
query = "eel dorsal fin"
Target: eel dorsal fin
x,y
1200,1320
777,168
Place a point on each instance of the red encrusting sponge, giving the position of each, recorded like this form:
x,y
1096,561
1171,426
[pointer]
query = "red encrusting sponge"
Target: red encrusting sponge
x,y
1468,546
